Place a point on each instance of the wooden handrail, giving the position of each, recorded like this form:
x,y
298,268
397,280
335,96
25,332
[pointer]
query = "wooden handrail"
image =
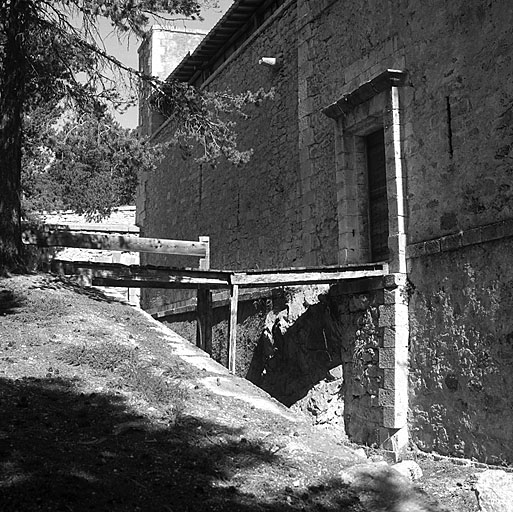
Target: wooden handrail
x,y
118,242
202,279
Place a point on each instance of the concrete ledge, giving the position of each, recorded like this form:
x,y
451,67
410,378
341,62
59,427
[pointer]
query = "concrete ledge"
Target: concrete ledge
x,y
385,80
453,242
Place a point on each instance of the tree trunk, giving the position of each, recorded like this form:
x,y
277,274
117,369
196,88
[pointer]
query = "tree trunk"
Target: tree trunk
x,y
12,89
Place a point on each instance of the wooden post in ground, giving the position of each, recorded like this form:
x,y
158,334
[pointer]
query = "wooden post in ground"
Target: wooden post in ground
x,y
204,319
204,305
232,331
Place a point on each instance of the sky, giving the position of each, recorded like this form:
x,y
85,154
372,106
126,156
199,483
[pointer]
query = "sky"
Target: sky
x,y
126,50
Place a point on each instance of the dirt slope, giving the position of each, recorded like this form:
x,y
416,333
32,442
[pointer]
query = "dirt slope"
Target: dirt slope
x,y
102,408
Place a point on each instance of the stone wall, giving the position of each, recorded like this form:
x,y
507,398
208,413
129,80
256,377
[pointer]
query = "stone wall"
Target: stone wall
x,y
252,213
456,141
285,208
457,137
251,320
462,353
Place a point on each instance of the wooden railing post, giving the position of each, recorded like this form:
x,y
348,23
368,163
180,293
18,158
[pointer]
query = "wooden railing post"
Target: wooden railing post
x,y
204,305
204,263
232,331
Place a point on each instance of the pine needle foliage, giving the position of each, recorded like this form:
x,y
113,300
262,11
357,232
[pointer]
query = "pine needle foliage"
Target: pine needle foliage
x,y
51,50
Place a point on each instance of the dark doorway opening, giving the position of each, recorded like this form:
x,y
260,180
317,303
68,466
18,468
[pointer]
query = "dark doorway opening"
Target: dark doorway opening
x,y
378,201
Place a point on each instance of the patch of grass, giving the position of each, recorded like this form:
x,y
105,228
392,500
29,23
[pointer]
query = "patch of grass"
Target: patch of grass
x,y
168,396
40,308
37,339
179,369
96,332
171,397
23,337
249,452
102,356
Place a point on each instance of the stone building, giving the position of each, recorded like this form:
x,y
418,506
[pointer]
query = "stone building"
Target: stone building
x,y
160,52
389,138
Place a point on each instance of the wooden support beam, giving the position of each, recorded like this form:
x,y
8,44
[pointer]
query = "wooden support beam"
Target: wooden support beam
x,y
300,277
232,331
120,282
168,277
83,240
135,276
204,319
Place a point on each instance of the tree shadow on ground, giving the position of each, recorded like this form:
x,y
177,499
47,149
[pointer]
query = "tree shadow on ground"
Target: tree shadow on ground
x,y
11,300
76,284
61,449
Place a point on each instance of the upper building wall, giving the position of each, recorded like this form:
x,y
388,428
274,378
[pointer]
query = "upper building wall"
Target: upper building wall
x,y
454,136
251,212
456,108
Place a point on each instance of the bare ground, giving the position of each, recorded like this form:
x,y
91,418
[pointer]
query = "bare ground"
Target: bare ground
x,y
101,408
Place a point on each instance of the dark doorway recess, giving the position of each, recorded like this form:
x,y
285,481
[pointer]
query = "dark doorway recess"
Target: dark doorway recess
x,y
378,202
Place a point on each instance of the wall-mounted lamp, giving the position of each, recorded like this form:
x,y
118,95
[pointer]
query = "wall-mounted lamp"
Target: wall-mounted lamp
x,y
269,61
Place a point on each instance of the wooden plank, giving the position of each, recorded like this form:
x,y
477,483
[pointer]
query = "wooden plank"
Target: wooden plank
x,y
70,266
130,282
298,278
83,240
101,228
171,281
328,269
325,268
232,331
137,276
204,319
214,278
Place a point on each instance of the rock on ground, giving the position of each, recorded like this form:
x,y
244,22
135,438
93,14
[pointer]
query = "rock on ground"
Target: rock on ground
x,y
494,491
410,469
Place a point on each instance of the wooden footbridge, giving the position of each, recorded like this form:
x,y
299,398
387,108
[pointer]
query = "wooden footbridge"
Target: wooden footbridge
x,y
203,279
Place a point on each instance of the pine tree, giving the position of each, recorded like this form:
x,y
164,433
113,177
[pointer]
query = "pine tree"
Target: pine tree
x,y
46,45
80,162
